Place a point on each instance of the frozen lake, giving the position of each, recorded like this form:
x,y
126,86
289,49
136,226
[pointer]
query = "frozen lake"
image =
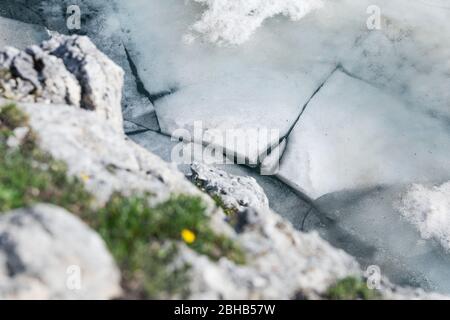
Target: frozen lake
x,y
358,92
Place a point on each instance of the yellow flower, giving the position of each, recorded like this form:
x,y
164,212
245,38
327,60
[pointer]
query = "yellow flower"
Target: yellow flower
x,y
188,236
84,177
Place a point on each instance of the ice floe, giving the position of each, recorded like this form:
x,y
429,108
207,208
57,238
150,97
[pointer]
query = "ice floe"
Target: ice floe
x,y
353,135
367,224
29,34
262,84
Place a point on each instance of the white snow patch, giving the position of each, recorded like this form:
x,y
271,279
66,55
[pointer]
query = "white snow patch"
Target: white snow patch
x,y
234,21
428,208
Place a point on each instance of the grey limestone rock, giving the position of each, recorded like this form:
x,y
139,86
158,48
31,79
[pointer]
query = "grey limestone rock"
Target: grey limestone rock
x,y
47,253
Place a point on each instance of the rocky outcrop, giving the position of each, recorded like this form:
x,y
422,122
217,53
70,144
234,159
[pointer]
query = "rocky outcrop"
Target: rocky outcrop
x,y
281,260
101,24
47,253
100,79
64,70
35,76
106,159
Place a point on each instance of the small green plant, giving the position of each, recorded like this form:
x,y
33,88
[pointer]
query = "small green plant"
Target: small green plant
x,y
11,117
134,222
29,175
132,228
351,288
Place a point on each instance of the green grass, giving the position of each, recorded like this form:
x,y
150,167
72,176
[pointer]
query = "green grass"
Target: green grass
x,y
351,288
142,239
126,222
11,117
28,175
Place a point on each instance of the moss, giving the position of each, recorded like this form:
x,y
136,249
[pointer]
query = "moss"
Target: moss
x,y
133,231
28,175
136,222
351,288
25,181
11,118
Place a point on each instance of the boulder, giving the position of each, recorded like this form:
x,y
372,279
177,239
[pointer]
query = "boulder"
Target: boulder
x,y
35,76
100,79
47,253
64,70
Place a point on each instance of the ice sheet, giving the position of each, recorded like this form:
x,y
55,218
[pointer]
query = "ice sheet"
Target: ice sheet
x,y
262,84
353,135
28,35
367,224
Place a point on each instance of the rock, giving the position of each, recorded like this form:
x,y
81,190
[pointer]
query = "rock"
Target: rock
x,y
236,192
101,80
310,266
281,261
64,70
92,147
100,22
34,76
42,251
282,199
109,162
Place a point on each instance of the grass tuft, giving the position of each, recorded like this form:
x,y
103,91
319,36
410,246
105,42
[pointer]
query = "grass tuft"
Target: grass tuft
x,y
11,117
135,232
351,288
28,175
